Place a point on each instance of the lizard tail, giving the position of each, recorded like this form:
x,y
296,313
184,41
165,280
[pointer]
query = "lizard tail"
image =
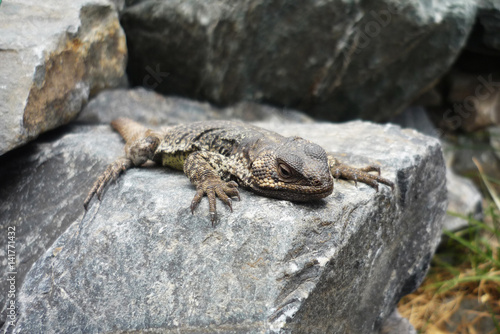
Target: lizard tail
x,y
130,130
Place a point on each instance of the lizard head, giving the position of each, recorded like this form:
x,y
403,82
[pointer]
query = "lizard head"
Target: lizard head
x,y
295,170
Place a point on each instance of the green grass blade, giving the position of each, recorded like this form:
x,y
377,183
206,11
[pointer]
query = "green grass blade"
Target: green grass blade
x,y
443,264
471,246
489,186
447,285
475,222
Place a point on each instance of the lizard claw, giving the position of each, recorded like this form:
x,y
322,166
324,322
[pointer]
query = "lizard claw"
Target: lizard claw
x,y
197,199
111,173
213,218
215,188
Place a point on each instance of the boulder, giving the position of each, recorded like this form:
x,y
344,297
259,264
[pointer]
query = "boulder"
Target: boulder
x,y
488,18
472,99
38,161
139,260
42,187
337,60
154,109
463,196
52,58
463,199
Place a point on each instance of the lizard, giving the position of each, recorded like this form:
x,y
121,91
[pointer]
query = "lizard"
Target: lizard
x,y
219,156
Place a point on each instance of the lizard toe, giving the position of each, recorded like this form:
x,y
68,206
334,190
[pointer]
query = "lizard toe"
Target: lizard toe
x,y
233,193
212,203
231,189
223,197
213,189
197,199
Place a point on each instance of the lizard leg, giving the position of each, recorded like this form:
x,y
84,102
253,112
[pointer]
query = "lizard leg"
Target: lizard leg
x,y
204,170
340,170
137,152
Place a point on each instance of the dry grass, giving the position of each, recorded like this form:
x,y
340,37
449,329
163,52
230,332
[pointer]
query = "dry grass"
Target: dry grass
x,y
461,293
435,309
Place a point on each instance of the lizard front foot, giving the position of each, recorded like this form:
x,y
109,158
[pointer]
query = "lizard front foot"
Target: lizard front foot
x,y
215,187
340,170
362,175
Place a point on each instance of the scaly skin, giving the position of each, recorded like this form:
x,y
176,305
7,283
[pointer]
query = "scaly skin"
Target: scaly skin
x,y
218,156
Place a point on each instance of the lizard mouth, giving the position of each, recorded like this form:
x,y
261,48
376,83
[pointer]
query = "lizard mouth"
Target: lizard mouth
x,y
296,194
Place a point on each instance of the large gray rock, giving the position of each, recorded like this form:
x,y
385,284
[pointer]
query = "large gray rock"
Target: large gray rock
x,y
463,196
140,260
52,57
151,108
335,59
42,187
489,20
26,172
464,199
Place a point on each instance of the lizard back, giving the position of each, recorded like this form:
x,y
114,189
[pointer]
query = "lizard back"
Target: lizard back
x,y
233,139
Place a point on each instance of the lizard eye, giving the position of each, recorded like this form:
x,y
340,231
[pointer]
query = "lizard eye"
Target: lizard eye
x,y
284,171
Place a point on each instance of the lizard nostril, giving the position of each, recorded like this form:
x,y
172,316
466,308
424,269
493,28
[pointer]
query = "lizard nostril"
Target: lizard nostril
x,y
315,182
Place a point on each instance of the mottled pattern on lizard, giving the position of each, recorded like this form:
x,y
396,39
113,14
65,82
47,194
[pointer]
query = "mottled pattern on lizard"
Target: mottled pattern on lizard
x,y
217,156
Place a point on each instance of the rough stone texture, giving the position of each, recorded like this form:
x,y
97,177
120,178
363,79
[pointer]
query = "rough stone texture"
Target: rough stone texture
x,y
139,260
52,57
42,188
154,109
335,59
26,173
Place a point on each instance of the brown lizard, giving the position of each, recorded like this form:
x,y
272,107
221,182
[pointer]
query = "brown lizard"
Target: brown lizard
x,y
217,156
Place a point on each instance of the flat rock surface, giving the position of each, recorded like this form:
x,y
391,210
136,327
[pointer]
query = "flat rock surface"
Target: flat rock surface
x,y
53,56
139,260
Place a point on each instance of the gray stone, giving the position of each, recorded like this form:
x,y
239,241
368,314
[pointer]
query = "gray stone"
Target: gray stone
x,y
396,324
52,57
39,160
139,260
463,196
42,188
489,18
494,133
154,109
416,118
478,315
337,60
464,199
